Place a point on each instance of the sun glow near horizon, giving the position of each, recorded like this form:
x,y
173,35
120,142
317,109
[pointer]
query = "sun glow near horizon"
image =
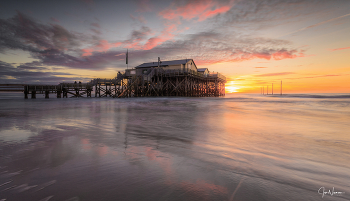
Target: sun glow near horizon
x,y
231,87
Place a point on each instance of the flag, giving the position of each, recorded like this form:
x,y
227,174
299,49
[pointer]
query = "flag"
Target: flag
x,y
127,56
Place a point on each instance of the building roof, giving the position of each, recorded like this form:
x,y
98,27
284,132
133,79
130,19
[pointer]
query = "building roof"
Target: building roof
x,y
163,63
201,69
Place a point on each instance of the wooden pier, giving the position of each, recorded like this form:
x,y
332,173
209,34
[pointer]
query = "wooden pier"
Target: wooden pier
x,y
160,82
61,90
175,78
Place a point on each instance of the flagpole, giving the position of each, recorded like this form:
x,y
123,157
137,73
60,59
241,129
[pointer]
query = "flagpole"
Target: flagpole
x,y
127,62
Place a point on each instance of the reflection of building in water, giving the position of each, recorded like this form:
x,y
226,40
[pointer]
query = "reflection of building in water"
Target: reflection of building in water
x,y
161,121
121,117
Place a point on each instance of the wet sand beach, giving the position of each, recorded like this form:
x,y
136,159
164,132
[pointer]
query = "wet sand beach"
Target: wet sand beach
x,y
239,147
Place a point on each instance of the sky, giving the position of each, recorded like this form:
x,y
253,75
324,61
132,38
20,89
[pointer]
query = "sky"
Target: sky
x,y
254,43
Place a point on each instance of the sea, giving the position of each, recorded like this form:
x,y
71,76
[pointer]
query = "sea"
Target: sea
x,y
237,147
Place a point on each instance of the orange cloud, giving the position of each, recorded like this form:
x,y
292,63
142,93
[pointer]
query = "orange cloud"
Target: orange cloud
x,y
134,42
153,42
103,46
134,45
318,76
201,10
197,9
166,34
274,74
284,54
211,13
342,48
240,56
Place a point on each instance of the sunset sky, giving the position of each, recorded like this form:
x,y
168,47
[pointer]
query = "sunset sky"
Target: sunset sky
x,y
254,43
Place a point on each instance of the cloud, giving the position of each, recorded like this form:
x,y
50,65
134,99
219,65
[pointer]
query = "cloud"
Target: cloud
x,y
318,76
35,65
53,45
257,15
274,74
96,25
318,24
287,54
98,61
96,28
134,42
97,32
88,2
200,10
260,67
211,13
166,34
102,46
22,32
24,74
138,18
136,37
261,83
54,19
342,48
144,6
235,11
212,47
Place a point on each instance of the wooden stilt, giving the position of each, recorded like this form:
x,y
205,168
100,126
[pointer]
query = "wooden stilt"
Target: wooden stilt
x,y
33,94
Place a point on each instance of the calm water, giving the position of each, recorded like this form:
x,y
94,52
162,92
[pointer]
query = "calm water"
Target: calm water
x,y
240,147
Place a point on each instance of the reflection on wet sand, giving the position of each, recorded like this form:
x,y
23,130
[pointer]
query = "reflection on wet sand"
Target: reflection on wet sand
x,y
170,149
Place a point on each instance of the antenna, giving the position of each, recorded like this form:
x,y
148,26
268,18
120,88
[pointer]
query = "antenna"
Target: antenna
x,y
281,87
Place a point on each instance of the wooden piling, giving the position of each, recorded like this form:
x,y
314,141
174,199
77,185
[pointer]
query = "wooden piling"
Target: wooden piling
x,y
34,94
59,92
25,92
47,93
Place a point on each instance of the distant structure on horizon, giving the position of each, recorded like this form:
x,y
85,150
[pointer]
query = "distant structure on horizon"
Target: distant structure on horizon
x,y
262,90
161,78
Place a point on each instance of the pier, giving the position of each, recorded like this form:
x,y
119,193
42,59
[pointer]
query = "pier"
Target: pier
x,y
168,78
162,82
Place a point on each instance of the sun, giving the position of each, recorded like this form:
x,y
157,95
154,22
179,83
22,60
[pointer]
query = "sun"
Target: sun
x,y
231,88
